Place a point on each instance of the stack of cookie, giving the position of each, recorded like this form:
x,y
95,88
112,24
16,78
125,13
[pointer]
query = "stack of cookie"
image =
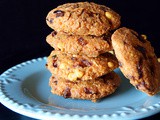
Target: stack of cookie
x,y
81,65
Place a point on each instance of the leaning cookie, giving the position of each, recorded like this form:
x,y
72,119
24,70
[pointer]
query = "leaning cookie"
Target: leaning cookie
x,y
75,67
89,90
83,18
137,60
91,46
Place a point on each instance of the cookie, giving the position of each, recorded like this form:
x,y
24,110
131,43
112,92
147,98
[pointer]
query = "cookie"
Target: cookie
x,y
91,46
75,67
89,90
137,60
83,18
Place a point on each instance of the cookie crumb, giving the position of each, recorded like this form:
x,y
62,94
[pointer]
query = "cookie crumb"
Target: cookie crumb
x,y
110,64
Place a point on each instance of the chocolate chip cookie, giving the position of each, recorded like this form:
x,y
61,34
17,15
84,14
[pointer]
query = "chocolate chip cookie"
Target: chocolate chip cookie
x,y
75,67
137,60
91,46
83,18
90,89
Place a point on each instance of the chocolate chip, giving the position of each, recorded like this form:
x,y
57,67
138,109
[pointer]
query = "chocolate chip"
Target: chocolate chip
x,y
54,58
55,64
67,93
81,41
87,91
91,14
50,20
85,63
81,63
47,19
54,33
142,84
55,82
141,49
73,58
59,13
139,68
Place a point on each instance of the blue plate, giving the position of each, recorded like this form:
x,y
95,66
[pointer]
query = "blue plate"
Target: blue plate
x,y
24,89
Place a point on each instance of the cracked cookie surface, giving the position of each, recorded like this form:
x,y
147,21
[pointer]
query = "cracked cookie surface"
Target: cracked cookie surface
x,y
83,18
137,60
77,67
90,89
90,46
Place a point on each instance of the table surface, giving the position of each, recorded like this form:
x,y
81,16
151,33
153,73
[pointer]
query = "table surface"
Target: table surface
x,y
23,31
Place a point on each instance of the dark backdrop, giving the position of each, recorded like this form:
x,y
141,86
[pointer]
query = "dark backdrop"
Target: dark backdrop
x,y
23,30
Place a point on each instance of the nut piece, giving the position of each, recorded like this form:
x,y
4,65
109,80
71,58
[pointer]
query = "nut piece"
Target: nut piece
x,y
112,52
108,15
75,75
158,59
62,66
110,64
144,37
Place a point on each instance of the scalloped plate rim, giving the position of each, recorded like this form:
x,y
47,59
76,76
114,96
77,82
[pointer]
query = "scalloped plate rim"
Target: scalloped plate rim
x,y
6,101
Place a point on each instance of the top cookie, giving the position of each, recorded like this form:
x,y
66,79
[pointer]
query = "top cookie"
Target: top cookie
x,y
137,60
83,18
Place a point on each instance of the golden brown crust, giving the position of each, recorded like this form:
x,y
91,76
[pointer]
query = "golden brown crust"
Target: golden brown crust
x,y
83,18
74,67
90,90
137,60
91,46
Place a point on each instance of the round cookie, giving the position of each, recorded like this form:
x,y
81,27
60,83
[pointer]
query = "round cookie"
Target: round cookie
x,y
91,46
90,89
77,67
83,18
137,60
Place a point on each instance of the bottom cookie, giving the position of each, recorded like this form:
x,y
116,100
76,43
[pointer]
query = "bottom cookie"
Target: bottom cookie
x,y
89,90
